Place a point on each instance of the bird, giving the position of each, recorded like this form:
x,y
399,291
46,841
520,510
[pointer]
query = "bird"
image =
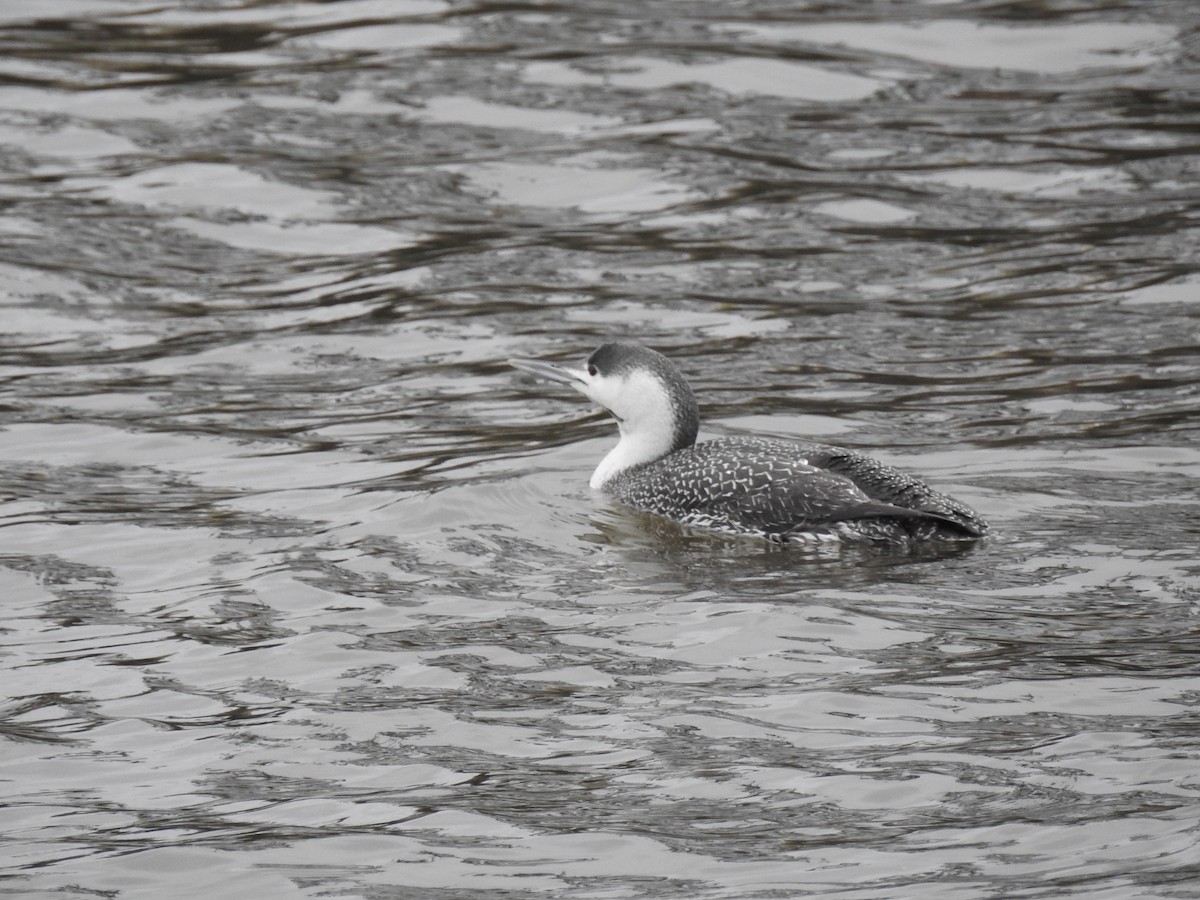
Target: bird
x,y
783,491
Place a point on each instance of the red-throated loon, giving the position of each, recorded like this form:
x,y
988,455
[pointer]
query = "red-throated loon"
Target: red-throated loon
x,y
781,490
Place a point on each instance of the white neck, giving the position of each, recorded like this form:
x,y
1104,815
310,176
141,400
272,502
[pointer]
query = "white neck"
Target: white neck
x,y
647,430
627,454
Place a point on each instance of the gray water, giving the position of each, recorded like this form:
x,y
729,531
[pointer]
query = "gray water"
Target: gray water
x,y
303,591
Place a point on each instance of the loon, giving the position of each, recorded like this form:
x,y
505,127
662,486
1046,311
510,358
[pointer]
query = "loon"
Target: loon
x,y
776,489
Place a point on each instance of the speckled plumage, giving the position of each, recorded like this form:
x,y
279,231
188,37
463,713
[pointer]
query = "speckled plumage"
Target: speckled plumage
x,y
780,490
786,491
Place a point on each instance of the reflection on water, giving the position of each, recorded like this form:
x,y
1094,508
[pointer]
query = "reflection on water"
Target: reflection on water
x,y
305,594
1048,47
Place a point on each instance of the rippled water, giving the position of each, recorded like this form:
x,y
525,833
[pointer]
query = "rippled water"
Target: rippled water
x,y
305,594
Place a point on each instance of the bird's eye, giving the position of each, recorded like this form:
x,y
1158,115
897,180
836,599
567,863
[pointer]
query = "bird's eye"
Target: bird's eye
x,y
592,370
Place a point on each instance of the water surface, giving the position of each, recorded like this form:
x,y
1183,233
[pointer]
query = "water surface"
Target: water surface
x,y
305,594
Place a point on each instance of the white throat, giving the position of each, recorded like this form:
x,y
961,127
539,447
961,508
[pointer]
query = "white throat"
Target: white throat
x,y
647,425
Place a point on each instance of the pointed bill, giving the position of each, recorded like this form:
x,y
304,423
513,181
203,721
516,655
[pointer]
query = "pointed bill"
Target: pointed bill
x,y
550,371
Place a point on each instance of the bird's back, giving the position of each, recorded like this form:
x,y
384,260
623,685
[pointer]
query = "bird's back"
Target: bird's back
x,y
789,491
